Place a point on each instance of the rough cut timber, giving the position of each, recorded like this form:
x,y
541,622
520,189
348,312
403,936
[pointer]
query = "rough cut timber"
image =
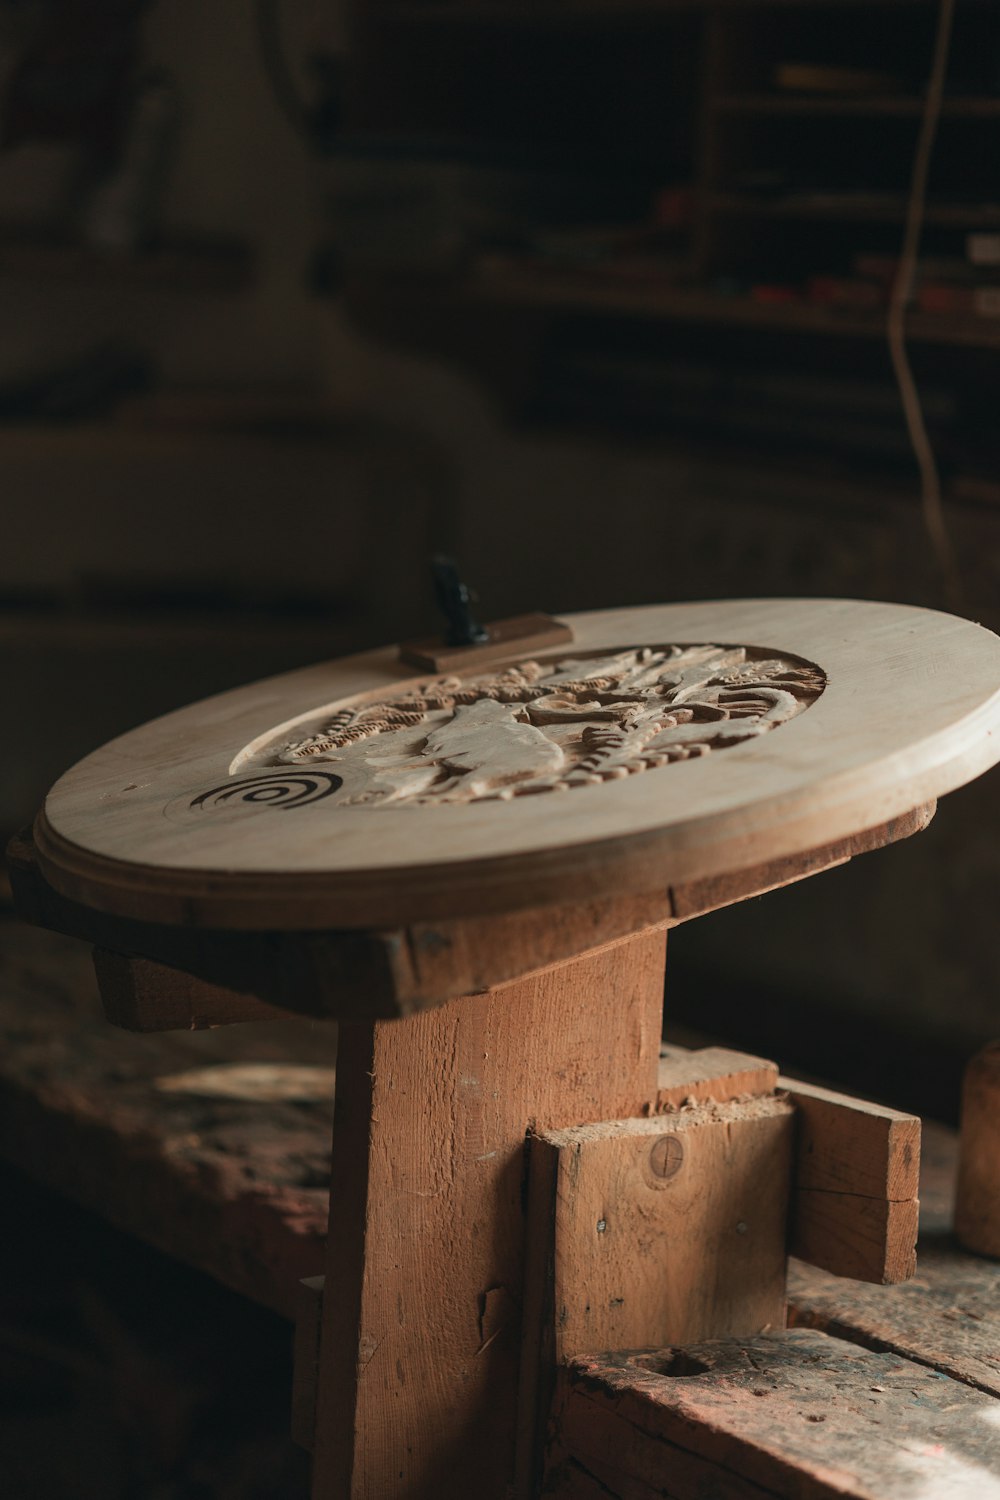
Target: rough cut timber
x,y
421,1341
339,975
854,1207
347,974
672,1228
668,1230
711,1073
795,1416
977,1204
140,995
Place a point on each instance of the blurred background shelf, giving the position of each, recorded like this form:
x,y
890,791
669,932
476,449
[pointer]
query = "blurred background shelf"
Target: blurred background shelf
x,y
986,107
207,266
555,288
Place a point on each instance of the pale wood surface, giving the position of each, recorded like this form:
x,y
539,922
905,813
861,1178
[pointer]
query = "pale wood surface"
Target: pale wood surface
x,y
910,710
795,1416
421,1343
977,1203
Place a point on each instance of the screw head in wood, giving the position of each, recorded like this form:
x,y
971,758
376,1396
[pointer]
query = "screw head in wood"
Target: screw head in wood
x,y
666,1156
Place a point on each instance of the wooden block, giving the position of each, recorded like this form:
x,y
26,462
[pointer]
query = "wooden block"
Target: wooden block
x,y
421,1341
947,1318
711,1073
140,995
848,1145
667,1230
520,633
308,1311
854,1203
977,1204
869,1239
792,1416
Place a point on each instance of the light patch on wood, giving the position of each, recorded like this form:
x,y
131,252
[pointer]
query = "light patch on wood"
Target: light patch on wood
x,y
257,1083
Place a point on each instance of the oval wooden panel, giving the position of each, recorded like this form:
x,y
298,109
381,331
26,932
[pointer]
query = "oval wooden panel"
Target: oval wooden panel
x,y
206,817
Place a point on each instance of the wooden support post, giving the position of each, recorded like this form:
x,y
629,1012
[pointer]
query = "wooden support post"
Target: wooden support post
x,y
977,1204
422,1314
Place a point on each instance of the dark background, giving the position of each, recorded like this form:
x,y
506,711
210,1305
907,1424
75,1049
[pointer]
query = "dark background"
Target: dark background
x,y
591,295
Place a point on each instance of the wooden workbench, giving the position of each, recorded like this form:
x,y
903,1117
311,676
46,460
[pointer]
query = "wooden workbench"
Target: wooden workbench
x,y
474,872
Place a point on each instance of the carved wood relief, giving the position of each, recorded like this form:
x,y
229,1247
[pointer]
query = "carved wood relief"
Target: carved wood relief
x,y
548,726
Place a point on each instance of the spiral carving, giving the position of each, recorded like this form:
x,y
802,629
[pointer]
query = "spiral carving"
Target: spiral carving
x,y
282,792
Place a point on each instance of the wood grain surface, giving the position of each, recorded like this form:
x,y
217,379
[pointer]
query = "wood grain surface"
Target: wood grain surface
x,y
794,1416
353,974
666,1230
82,1111
212,1146
857,1167
947,1317
421,1339
911,709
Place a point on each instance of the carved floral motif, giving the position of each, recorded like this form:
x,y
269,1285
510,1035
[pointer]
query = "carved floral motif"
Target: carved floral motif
x,y
545,726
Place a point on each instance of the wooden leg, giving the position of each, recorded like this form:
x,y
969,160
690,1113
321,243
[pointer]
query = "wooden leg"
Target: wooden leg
x,y
421,1319
977,1205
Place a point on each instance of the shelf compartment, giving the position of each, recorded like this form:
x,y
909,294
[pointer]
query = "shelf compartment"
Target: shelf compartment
x,y
566,291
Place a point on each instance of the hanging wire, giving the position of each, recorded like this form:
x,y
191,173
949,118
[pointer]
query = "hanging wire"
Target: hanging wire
x,y
902,293
275,61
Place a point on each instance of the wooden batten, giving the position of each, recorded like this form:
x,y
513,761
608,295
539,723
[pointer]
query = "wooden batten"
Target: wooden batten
x,y
226,976
140,995
857,1166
